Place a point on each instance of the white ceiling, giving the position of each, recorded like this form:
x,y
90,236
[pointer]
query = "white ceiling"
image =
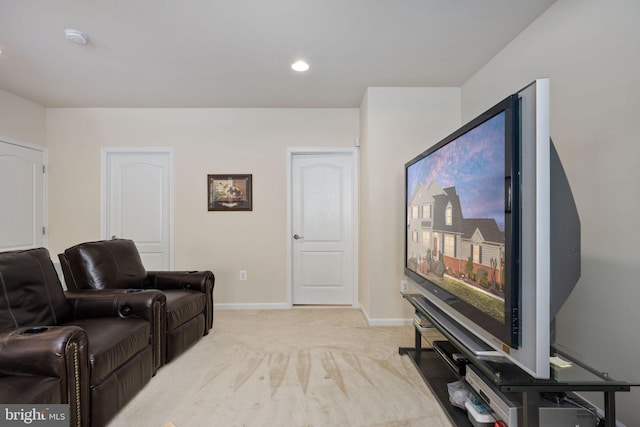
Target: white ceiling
x,y
237,53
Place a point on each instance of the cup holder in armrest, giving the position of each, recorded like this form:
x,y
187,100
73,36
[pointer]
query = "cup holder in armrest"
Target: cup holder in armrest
x,y
131,291
125,310
37,330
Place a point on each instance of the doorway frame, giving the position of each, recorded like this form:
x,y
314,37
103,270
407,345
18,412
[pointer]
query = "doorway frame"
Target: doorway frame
x,y
105,152
355,214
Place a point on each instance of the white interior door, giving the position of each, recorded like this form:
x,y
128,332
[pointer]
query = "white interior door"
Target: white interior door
x,y
138,203
22,197
323,229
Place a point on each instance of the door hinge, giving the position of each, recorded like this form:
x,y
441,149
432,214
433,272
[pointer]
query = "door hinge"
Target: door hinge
x,y
44,169
44,231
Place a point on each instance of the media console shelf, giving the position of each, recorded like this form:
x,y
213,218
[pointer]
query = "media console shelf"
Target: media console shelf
x,y
437,370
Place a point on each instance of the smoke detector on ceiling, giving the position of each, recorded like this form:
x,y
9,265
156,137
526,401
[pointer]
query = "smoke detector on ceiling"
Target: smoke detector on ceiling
x,y
78,37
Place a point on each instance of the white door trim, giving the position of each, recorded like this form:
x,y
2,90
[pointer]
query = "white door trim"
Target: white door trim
x,y
105,152
45,181
355,214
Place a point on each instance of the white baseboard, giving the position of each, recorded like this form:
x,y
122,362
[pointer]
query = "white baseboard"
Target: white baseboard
x,y
390,322
252,306
270,306
385,322
285,306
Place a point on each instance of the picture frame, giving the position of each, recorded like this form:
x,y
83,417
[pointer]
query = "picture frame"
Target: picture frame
x,y
230,192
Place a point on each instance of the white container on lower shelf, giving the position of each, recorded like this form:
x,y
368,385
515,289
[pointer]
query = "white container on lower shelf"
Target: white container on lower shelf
x,y
478,419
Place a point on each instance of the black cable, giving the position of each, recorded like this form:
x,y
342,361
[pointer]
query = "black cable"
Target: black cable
x,y
586,408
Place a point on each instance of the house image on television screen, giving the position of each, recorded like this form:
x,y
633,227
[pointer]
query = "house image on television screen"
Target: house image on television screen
x,y
465,256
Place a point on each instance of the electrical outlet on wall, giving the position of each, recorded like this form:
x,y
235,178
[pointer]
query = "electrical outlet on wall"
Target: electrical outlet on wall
x,y
404,286
243,274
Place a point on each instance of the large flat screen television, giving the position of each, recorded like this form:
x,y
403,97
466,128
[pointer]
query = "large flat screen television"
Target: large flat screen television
x,y
492,234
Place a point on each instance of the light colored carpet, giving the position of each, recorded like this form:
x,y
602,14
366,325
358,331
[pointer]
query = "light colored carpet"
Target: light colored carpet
x,y
299,367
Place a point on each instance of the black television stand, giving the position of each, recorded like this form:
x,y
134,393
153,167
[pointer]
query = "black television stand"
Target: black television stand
x,y
437,373
438,367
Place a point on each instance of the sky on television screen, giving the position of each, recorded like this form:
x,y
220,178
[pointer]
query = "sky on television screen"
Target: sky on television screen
x,y
473,163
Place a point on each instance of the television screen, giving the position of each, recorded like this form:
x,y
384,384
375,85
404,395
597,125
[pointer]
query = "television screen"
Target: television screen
x,y
459,225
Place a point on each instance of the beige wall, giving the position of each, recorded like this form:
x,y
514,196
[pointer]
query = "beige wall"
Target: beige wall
x,y
21,121
589,50
397,124
204,141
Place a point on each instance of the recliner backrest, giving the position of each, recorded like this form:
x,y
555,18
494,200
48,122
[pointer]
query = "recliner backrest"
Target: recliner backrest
x,y
30,290
107,264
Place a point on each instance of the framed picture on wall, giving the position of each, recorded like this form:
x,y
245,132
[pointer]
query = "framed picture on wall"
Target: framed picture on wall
x,y
229,193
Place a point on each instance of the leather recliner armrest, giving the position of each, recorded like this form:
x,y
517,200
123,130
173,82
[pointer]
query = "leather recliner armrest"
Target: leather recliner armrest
x,y
41,350
139,303
51,351
202,281
146,304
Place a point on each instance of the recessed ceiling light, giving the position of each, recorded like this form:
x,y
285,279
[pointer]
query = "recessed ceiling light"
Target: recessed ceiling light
x,y
300,66
78,37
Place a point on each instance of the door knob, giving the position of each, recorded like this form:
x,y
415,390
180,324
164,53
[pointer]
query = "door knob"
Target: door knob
x,y
295,236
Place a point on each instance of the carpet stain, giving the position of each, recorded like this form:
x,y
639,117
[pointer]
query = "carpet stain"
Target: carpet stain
x,y
332,369
303,369
278,364
214,372
354,362
252,365
384,364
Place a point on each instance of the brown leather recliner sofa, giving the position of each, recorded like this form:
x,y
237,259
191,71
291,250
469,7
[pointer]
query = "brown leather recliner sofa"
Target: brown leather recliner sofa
x,y
90,349
116,264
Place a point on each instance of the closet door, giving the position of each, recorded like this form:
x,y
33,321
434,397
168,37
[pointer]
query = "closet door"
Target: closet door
x,y
22,197
137,202
323,204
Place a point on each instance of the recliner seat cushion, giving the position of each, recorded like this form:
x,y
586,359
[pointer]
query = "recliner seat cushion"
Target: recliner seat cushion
x,y
112,342
183,306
